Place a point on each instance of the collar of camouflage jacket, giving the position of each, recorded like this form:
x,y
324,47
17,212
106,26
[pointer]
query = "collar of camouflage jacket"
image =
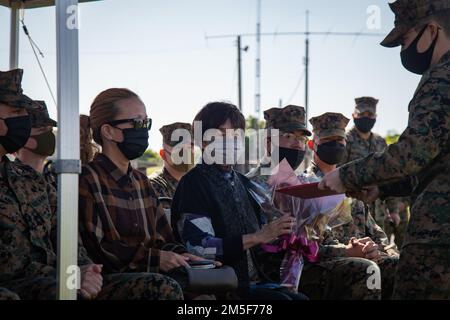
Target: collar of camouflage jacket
x,y
354,133
14,169
169,178
444,61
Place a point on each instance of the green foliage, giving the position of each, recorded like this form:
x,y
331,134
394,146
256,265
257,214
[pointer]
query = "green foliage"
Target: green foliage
x,y
392,137
150,158
253,123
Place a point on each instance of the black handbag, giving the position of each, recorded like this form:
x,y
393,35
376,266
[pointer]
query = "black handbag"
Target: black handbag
x,y
205,281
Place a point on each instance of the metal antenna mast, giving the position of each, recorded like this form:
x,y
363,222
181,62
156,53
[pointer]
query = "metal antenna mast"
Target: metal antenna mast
x,y
307,33
307,66
258,62
239,67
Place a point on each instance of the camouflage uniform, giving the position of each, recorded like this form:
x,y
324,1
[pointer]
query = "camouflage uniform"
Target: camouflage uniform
x,y
288,119
404,213
380,209
331,278
357,148
25,214
5,294
362,225
417,165
28,237
40,117
163,182
336,276
167,131
11,92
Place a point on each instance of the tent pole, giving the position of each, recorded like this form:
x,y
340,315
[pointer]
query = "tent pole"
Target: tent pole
x,y
68,164
14,40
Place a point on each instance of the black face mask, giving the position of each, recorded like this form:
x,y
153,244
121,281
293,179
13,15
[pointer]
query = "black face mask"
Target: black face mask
x,y
293,156
331,152
418,62
19,129
134,144
364,124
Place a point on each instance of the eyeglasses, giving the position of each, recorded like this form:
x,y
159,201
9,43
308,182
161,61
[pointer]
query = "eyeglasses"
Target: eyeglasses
x,y
137,123
292,138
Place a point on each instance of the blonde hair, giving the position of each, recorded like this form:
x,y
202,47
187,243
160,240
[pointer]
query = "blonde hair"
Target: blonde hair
x,y
88,148
104,109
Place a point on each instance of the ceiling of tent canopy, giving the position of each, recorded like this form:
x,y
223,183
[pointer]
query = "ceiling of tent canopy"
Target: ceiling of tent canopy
x,y
29,4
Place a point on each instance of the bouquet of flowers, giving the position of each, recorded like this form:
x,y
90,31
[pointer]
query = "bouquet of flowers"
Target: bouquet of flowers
x,y
311,215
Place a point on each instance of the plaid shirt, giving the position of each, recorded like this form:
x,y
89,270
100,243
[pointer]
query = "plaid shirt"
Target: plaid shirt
x,y
122,224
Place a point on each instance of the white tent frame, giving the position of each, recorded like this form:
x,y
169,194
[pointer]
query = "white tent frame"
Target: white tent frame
x,y
68,165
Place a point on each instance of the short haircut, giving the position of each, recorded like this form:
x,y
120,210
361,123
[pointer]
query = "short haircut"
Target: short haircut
x,y
214,114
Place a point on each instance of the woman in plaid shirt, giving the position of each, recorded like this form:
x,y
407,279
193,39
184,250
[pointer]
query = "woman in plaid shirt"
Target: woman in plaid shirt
x,y
122,225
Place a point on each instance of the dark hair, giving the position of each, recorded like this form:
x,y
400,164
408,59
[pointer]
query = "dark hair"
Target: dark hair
x,y
214,114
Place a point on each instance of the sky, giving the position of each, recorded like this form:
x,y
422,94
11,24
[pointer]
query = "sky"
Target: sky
x,y
158,48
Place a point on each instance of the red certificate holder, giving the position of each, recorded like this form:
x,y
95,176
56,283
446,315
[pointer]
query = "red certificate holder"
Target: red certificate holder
x,y
307,191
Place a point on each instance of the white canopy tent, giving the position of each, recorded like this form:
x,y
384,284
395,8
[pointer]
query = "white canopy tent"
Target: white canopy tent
x,y
68,164
30,4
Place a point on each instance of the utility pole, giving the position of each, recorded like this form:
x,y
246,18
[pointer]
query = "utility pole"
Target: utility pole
x,y
14,40
306,33
258,62
239,63
307,159
307,66
239,66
